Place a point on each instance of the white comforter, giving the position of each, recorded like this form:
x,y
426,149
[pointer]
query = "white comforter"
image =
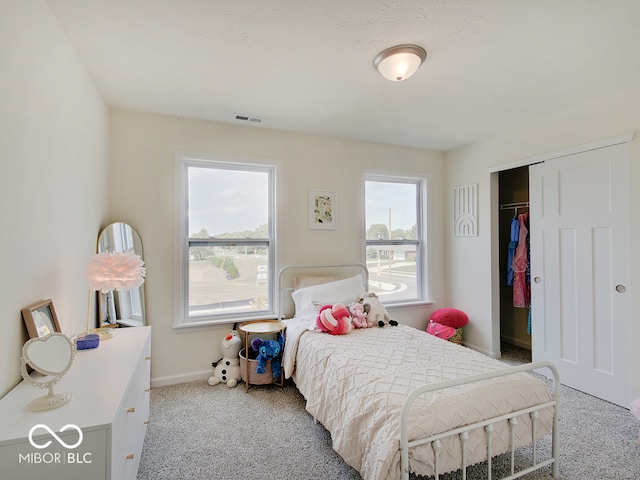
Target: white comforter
x,y
356,384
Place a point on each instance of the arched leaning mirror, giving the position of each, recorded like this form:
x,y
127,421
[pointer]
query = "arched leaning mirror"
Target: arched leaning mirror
x,y
121,307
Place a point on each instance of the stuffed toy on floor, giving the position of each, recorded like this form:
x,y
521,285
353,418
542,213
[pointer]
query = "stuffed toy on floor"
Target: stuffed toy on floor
x,y
445,322
227,369
268,350
375,310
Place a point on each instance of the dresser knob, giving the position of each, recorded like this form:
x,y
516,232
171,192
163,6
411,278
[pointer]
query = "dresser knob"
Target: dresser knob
x,y
131,410
146,422
148,358
129,457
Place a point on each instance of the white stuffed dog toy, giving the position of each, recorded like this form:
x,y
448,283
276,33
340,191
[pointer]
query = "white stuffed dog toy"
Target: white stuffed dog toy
x,y
375,310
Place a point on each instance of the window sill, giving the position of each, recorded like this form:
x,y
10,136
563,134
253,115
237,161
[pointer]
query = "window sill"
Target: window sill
x,y
195,326
401,306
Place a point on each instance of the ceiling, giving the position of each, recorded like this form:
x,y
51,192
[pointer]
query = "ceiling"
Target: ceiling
x,y
306,65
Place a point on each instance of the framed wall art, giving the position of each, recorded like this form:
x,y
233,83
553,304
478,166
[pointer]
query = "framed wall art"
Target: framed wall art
x,y
465,211
40,319
322,209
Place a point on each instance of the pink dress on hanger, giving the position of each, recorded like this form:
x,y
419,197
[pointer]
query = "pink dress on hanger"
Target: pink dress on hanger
x,y
521,290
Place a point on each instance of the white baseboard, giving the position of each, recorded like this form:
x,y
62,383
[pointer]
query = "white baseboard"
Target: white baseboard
x,y
517,342
182,378
481,350
205,374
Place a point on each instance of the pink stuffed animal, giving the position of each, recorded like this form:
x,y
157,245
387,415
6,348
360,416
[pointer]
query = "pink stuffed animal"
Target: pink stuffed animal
x,y
358,316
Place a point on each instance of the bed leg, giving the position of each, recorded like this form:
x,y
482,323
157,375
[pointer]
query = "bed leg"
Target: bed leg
x,y
490,431
555,435
513,422
555,444
437,446
464,437
534,431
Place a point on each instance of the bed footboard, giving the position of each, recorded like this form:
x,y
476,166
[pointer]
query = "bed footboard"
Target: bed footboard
x,y
487,425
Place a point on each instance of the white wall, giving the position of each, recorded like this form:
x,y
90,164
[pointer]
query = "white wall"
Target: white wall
x,y
56,174
469,260
143,148
53,175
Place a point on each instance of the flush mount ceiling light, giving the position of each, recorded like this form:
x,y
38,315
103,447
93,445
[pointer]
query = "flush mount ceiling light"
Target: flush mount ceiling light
x,y
399,62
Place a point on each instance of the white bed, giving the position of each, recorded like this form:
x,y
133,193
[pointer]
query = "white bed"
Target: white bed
x,y
357,385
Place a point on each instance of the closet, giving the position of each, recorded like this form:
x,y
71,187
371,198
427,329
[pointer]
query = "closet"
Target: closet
x,y
513,194
578,203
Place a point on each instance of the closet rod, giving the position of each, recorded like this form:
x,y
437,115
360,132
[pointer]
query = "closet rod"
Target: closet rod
x,y
513,205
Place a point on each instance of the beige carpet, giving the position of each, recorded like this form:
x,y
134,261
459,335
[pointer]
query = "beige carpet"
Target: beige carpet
x,y
202,432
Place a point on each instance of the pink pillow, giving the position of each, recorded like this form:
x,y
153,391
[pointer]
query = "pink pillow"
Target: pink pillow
x,y
442,331
451,317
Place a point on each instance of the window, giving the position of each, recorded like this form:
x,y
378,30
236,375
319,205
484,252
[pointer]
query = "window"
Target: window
x,y
227,246
394,237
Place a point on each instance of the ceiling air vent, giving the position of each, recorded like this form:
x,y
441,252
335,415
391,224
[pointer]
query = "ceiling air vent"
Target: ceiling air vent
x,y
247,118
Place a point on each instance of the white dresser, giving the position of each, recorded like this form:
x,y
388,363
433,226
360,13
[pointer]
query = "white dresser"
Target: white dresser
x,y
110,405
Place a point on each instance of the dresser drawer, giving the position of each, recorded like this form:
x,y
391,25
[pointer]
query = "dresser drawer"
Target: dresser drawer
x,y
129,426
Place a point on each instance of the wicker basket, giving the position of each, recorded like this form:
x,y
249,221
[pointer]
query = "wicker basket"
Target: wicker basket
x,y
457,338
254,377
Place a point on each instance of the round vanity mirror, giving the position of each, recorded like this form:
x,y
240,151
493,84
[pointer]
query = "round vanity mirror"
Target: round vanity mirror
x,y
51,356
121,307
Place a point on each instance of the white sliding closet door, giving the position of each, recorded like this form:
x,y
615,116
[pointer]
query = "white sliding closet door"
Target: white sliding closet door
x,y
579,210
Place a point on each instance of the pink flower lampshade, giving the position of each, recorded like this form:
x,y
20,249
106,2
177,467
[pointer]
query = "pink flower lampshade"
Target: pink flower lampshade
x,y
115,271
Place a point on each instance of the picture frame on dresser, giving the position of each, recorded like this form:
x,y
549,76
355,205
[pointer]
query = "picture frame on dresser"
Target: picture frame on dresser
x,y
40,319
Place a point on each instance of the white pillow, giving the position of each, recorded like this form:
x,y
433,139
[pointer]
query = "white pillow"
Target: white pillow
x,y
308,300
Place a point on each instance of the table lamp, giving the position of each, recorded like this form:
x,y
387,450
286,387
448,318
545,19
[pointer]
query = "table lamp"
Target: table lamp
x,y
114,271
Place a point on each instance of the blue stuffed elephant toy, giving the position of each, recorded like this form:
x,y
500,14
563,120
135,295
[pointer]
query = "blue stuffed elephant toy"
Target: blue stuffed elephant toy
x,y
268,350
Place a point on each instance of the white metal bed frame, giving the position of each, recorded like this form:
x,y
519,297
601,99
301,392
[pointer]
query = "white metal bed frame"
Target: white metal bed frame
x,y
406,444
364,271
462,432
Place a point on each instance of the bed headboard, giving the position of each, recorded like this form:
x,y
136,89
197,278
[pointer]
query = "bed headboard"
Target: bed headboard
x,y
292,277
